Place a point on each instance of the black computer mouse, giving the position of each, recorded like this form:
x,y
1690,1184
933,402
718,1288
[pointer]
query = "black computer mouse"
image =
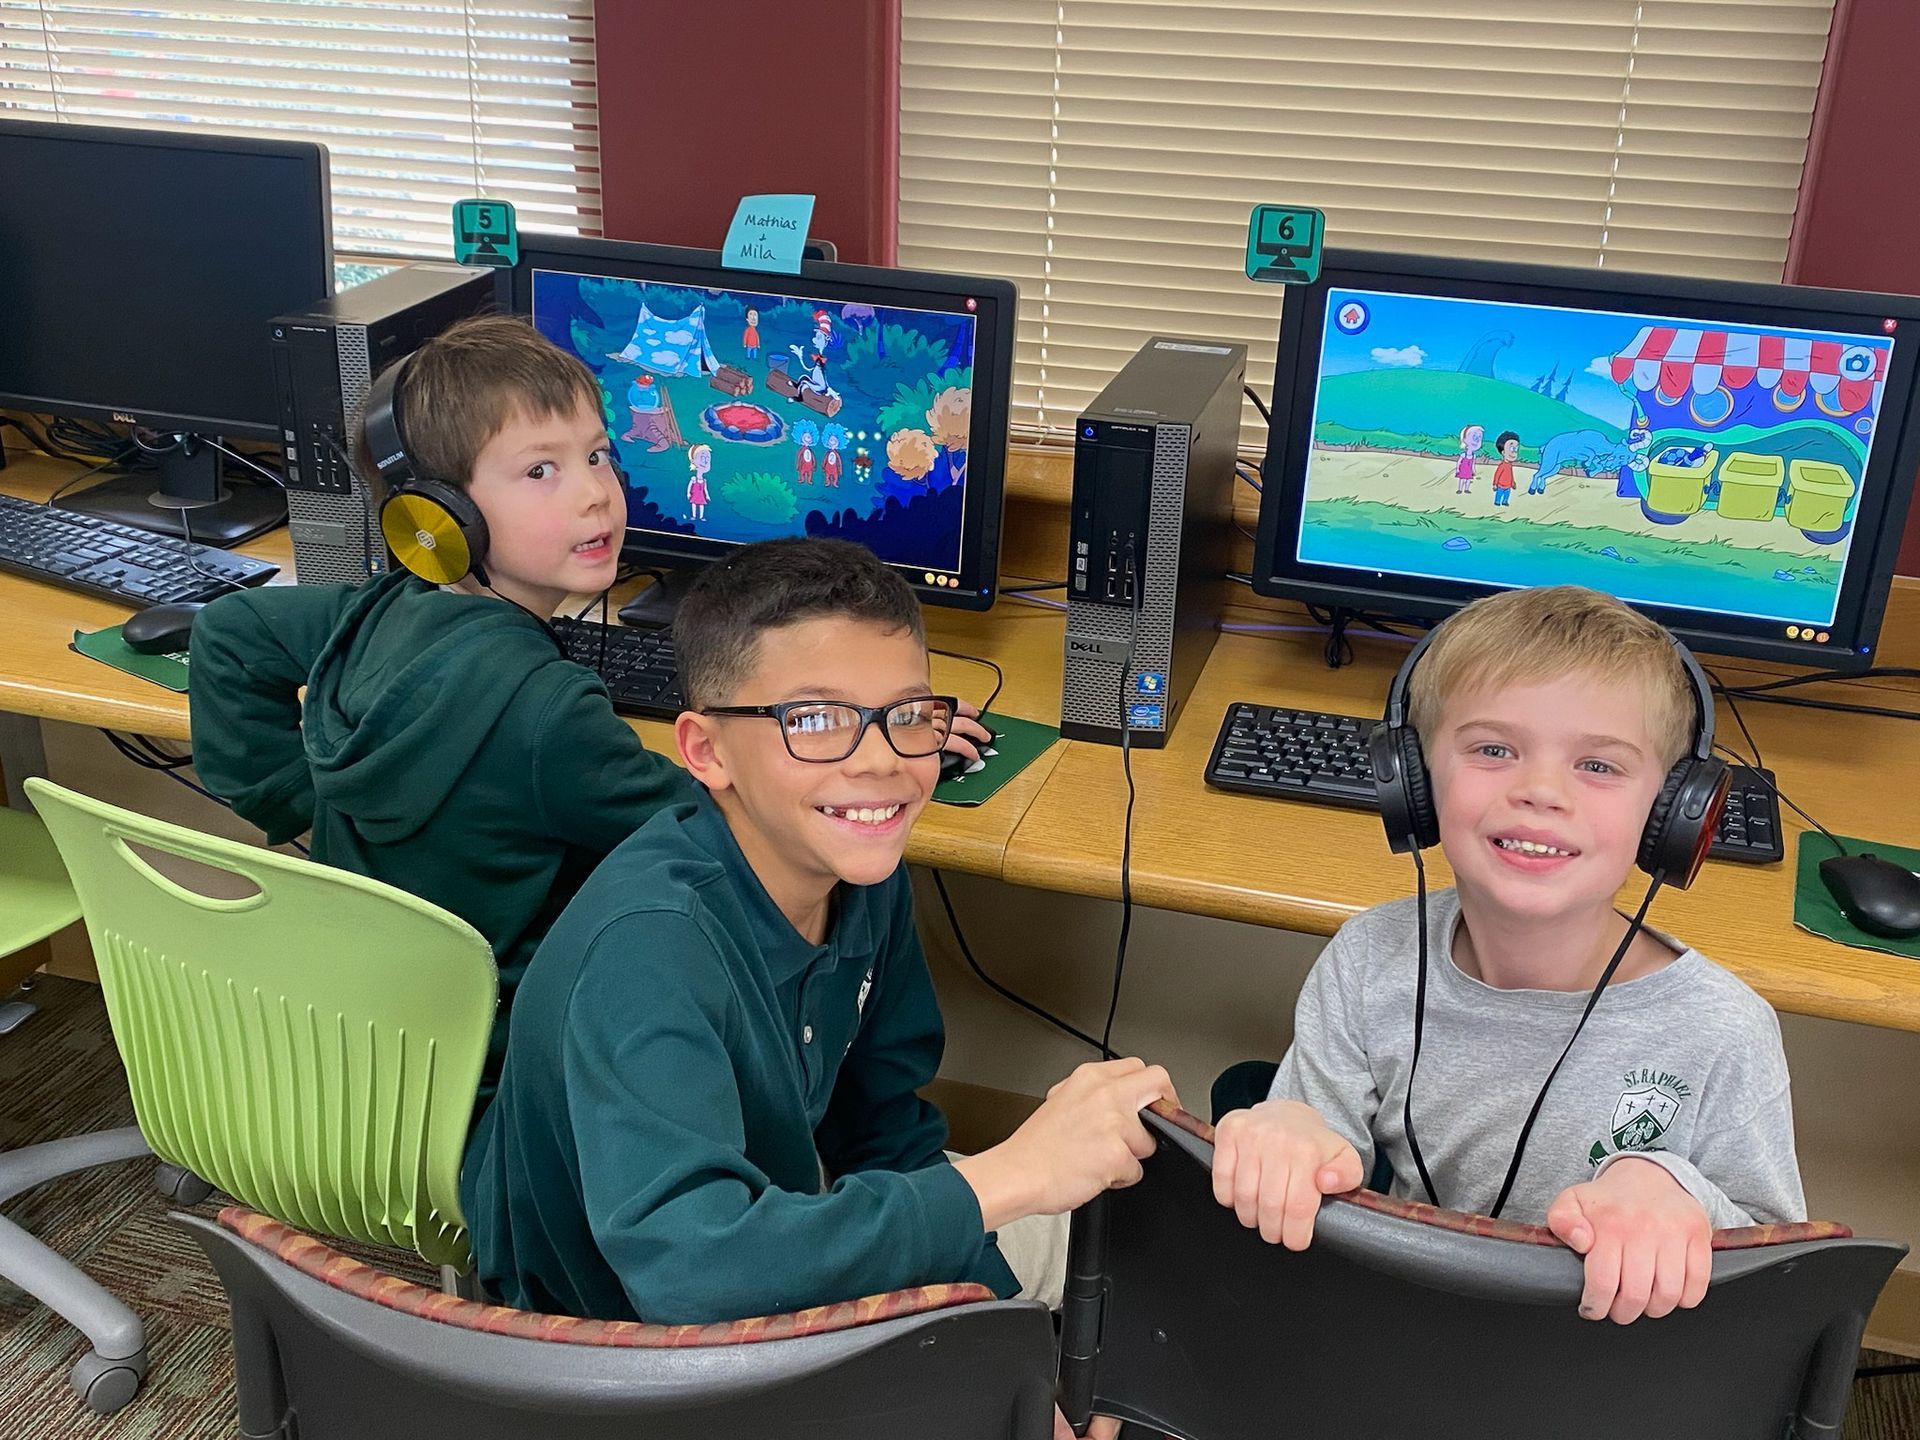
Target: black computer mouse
x,y
952,763
160,629
1880,896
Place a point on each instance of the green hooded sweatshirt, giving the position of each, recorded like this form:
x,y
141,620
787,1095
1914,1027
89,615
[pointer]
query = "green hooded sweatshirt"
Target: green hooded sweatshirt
x,y
445,746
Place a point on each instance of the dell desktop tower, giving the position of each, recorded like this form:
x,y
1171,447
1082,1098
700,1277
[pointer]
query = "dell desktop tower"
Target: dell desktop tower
x,y
324,361
1150,537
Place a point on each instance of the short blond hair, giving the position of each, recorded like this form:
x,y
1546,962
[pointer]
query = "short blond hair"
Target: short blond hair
x,y
1526,637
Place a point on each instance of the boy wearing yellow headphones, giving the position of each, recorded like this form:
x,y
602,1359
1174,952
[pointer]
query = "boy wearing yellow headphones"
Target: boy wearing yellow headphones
x,y
1515,1043
445,745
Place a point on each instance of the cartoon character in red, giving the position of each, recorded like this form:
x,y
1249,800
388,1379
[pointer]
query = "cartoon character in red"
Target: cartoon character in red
x,y
1509,447
805,436
834,438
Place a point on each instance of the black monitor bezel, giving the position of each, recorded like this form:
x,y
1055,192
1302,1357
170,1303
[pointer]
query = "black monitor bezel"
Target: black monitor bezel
x,y
1887,487
266,427
997,304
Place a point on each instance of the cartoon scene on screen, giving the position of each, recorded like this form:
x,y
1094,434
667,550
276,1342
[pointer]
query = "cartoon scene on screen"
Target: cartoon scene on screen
x,y
741,415
1664,461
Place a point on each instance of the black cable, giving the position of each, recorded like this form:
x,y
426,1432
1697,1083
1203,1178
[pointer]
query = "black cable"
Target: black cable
x,y
1247,473
1832,705
966,952
1869,1372
193,562
1780,796
1032,589
1338,650
999,676
1126,828
1733,709
73,480
1259,404
1837,677
45,443
171,767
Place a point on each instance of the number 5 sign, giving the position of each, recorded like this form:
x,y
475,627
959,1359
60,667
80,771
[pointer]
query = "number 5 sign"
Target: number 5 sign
x,y
485,233
1283,244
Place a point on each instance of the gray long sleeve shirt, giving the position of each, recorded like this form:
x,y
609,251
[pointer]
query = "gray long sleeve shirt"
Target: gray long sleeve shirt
x,y
1682,1067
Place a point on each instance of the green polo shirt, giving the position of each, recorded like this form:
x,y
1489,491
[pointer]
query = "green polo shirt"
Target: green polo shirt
x,y
683,1065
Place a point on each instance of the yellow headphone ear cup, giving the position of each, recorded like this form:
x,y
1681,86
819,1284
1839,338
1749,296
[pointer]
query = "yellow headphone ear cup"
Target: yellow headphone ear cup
x,y
425,537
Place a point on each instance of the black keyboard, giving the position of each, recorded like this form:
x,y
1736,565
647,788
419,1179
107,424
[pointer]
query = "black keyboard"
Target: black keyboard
x,y
1315,756
636,663
103,557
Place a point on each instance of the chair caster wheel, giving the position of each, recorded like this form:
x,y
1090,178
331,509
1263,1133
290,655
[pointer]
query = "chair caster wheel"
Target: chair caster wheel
x,y
180,1184
107,1385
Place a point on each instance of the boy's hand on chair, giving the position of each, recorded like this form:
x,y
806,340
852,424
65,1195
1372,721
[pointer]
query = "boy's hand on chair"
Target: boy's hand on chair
x,y
1647,1242
1085,1138
1271,1165
1099,1427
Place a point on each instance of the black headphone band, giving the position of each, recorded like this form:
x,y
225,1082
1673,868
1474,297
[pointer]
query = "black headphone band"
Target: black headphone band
x,y
381,417
1703,719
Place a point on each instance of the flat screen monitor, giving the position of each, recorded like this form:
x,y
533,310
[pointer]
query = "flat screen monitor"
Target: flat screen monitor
x,y
139,269
847,400
1734,459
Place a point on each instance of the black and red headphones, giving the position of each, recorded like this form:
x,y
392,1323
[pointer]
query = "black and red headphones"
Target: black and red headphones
x,y
1673,845
1679,826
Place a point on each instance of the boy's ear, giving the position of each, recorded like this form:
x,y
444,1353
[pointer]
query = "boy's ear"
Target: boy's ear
x,y
697,737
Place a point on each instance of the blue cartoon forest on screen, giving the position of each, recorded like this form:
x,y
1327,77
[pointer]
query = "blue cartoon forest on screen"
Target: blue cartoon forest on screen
x,y
740,415
1681,462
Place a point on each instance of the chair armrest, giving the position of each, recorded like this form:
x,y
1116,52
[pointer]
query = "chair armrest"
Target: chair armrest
x,y
315,1258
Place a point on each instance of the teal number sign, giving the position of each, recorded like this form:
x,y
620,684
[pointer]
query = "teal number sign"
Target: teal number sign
x,y
485,233
1283,244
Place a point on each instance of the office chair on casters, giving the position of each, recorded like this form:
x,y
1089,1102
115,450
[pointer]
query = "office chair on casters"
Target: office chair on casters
x,y
312,1049
326,1348
1402,1320
36,899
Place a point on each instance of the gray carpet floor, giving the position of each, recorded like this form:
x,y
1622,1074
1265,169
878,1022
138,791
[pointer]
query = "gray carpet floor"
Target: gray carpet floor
x,y
59,1075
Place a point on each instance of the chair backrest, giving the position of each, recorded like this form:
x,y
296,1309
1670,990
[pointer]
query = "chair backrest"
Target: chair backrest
x,y
36,898
313,1049
1392,1324
315,1357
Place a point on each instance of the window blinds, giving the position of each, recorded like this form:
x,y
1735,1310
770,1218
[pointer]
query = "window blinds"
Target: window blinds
x,y
418,104
1104,154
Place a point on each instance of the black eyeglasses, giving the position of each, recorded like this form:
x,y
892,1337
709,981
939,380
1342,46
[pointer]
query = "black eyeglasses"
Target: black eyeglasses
x,y
824,731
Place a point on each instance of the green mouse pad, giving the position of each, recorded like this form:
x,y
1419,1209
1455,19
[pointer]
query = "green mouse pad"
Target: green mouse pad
x,y
108,648
1018,744
1814,909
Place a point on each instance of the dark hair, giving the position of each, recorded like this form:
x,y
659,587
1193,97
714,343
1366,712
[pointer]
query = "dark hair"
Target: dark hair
x,y
1500,442
467,383
716,633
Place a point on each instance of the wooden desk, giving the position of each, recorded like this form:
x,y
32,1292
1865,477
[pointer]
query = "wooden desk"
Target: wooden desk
x,y
1269,862
41,676
1307,868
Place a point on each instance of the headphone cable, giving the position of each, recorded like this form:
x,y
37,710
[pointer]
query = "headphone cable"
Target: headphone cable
x,y
1634,927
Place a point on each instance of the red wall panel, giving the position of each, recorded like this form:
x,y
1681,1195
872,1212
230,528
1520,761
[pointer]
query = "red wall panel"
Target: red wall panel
x,y
701,104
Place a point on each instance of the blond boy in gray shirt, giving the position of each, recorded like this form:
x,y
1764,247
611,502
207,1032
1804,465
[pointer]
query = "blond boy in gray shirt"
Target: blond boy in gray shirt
x,y
1548,720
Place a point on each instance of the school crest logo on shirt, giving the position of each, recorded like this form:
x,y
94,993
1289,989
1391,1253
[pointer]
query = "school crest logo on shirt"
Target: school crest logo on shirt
x,y
1642,1117
860,1000
1645,1112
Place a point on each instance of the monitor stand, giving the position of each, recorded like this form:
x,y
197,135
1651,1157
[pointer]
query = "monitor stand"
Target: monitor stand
x,y
655,605
184,497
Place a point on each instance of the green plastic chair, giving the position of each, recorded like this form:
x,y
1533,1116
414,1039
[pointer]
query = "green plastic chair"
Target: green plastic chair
x,y
312,1049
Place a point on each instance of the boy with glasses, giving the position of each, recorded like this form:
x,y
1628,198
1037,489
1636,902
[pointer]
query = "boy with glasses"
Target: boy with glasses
x,y
709,1105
